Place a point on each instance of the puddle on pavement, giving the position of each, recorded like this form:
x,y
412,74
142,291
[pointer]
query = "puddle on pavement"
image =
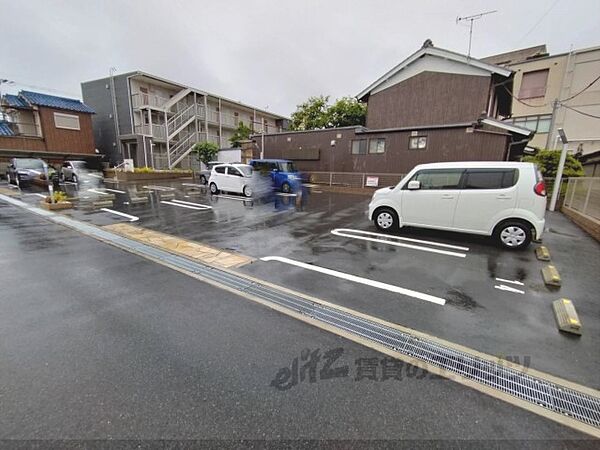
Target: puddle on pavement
x,y
460,300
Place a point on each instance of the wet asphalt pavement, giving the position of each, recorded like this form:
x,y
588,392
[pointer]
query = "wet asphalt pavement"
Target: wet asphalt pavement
x,y
97,343
477,315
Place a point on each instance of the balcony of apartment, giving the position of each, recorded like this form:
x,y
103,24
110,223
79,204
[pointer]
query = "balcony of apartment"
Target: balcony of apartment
x,y
157,131
144,100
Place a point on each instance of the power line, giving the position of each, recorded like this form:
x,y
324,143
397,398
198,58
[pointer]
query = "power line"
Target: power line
x,y
539,21
521,101
581,91
581,112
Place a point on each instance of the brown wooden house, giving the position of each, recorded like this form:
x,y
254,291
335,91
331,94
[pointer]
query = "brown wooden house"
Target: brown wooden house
x,y
45,126
437,105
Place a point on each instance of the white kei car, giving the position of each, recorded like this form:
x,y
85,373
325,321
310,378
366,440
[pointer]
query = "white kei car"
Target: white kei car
x,y
231,178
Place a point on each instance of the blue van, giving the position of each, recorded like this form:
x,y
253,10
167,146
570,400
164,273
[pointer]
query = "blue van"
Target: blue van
x,y
284,175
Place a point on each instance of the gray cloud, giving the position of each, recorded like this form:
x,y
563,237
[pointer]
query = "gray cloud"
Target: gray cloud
x,y
266,53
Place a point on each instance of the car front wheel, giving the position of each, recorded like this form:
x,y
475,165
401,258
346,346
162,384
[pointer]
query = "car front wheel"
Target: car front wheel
x,y
385,219
286,188
513,235
213,188
203,179
247,191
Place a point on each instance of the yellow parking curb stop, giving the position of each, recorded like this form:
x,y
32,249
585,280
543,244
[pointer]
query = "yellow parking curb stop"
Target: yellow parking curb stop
x,y
551,276
566,316
542,253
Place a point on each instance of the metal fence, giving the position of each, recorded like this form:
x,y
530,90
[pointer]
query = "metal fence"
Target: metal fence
x,y
353,179
583,195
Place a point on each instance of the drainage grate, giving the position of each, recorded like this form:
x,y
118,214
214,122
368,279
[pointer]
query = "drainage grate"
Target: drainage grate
x,y
562,400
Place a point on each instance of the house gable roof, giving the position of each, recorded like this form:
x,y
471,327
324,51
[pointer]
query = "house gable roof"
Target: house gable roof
x,y
456,60
14,101
52,101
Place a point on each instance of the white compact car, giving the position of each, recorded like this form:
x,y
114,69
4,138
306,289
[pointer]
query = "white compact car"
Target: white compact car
x,y
506,200
231,178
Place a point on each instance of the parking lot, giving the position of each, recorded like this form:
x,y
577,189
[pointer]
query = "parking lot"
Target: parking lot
x,y
456,287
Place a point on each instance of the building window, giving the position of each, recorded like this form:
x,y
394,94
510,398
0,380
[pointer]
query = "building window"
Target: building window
x,y
67,121
377,145
359,147
533,84
539,124
417,143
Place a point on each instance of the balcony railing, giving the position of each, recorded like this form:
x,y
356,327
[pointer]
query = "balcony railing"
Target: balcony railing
x,y
24,129
158,131
141,99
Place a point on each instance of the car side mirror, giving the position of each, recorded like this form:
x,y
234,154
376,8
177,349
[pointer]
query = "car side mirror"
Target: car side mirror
x,y
414,185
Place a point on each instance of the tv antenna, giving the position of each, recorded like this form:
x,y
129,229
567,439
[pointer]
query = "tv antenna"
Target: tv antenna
x,y
471,19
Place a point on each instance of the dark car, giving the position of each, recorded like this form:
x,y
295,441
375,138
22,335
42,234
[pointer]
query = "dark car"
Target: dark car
x,y
21,171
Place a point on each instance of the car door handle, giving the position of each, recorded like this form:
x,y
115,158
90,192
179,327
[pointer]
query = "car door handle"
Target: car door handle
x,y
503,197
447,197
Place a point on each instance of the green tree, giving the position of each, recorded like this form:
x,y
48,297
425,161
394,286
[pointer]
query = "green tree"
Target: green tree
x,y
205,152
310,115
345,112
242,133
316,113
547,161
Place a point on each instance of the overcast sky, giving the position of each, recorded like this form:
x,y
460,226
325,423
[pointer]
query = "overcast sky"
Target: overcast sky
x,y
268,53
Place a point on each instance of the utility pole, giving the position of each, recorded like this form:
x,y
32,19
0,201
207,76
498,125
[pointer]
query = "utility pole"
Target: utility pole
x,y
559,171
555,106
113,98
471,19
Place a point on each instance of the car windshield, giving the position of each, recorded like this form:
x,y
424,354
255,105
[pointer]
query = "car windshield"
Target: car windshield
x,y
30,163
287,166
246,170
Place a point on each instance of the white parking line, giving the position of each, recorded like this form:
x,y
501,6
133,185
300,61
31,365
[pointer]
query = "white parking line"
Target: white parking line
x,y
38,194
192,184
184,206
284,194
510,281
509,289
95,175
69,182
159,188
346,232
356,279
192,203
115,190
119,213
97,192
230,197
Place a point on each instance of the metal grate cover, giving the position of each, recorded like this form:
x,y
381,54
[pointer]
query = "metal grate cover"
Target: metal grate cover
x,y
560,399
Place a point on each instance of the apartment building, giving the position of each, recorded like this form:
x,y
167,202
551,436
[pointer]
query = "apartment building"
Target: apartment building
x,y
34,124
556,91
156,122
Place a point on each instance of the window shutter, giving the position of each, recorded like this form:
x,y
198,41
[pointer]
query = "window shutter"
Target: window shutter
x,y
533,84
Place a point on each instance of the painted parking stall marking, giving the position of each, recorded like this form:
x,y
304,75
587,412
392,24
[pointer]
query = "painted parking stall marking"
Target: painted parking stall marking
x,y
199,205
503,287
158,188
398,241
122,214
356,279
231,197
95,191
186,206
517,282
115,191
